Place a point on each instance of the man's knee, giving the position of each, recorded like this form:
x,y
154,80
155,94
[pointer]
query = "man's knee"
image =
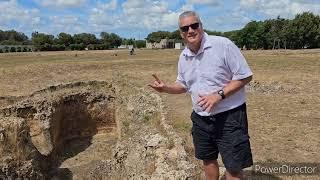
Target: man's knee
x,y
211,169
234,174
210,162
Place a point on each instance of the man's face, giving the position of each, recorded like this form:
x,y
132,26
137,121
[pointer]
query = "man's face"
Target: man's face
x,y
189,30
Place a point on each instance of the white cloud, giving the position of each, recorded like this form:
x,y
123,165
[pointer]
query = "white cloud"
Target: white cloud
x,y
14,16
235,19
170,19
67,23
35,21
248,3
284,8
61,3
204,2
187,7
12,12
149,14
112,5
101,17
63,20
134,7
302,7
135,16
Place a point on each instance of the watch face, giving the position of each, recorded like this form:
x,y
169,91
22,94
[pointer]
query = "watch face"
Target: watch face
x,y
221,93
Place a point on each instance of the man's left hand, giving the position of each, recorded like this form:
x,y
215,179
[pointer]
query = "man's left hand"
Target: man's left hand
x,y
208,102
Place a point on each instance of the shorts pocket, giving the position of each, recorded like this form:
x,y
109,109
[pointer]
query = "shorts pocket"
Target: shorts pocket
x,y
241,149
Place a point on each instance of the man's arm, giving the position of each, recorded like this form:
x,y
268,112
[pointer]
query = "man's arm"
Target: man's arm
x,y
160,86
175,88
210,101
235,85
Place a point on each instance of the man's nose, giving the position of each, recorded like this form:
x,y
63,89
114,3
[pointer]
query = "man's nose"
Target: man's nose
x,y
190,29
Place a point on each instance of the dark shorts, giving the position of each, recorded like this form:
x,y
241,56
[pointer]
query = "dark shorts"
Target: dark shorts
x,y
225,133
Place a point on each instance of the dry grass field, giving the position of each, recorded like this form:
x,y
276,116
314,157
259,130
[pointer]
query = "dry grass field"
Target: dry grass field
x,y
283,99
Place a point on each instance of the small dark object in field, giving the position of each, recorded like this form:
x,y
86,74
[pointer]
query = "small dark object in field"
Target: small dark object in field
x,y
132,51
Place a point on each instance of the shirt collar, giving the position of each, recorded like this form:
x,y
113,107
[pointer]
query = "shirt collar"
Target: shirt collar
x,y
204,45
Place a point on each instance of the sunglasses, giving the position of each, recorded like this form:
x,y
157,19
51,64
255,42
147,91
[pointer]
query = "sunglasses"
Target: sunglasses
x,y
194,26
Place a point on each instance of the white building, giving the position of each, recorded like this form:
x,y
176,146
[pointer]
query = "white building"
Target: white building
x,y
125,47
164,43
179,45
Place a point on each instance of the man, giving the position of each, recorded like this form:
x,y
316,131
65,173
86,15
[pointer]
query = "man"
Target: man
x,y
213,70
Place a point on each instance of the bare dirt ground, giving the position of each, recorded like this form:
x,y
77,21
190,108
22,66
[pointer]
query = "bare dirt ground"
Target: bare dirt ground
x,y
283,99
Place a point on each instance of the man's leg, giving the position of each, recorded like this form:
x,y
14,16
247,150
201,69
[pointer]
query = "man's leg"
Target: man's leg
x,y
234,144
206,149
211,169
234,175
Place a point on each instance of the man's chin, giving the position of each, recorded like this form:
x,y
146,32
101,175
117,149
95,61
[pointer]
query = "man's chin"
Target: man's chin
x,y
192,40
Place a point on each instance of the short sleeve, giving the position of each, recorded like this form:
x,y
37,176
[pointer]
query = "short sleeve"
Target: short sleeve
x,y
236,62
180,78
181,81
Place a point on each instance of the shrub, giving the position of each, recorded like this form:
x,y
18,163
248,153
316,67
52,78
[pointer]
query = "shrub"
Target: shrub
x,y
12,49
78,47
6,49
91,47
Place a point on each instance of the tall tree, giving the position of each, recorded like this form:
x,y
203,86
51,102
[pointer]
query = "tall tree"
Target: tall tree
x,y
39,40
307,25
13,37
64,38
216,33
175,35
248,35
113,39
157,36
85,38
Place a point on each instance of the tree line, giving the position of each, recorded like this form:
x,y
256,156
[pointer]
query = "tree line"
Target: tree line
x,y
301,32
63,41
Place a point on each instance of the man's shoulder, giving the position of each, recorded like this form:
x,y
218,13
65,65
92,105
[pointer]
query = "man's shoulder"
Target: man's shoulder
x,y
218,39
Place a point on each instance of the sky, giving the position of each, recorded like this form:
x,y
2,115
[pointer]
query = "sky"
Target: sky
x,y
137,18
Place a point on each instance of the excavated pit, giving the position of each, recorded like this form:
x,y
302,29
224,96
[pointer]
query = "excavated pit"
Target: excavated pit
x,y
53,125
89,130
76,124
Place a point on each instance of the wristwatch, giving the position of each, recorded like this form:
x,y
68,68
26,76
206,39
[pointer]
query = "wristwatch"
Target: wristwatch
x,y
221,93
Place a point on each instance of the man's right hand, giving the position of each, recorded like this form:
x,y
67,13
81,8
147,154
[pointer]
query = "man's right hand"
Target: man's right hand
x,y
157,85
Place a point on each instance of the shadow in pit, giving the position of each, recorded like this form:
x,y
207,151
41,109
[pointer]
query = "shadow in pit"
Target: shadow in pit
x,y
71,149
74,125
61,173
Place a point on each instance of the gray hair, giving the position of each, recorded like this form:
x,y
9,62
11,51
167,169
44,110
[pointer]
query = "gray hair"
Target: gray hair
x,y
187,14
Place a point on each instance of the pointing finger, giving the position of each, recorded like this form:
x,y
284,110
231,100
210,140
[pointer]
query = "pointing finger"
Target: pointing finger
x,y
156,77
